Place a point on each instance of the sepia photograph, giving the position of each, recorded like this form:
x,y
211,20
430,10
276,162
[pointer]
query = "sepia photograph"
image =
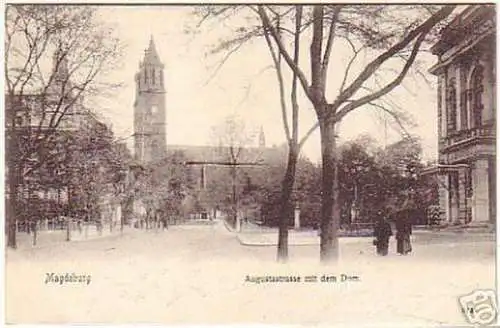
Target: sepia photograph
x,y
250,164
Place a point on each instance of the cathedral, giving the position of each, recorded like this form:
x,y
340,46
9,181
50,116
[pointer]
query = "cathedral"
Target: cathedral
x,y
149,109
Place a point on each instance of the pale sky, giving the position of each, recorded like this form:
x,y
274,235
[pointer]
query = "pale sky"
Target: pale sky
x,y
193,106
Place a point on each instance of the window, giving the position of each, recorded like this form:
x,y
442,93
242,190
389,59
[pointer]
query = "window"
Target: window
x,y
464,95
468,182
451,103
463,110
19,121
477,95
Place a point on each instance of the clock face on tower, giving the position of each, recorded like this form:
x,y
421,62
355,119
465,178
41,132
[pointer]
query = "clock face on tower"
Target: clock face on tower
x,y
154,109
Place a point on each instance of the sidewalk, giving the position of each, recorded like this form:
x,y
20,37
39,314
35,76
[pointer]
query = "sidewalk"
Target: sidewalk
x,y
46,238
310,238
295,238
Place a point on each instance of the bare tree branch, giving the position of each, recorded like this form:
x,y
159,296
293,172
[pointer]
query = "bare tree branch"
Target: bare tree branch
x,y
389,87
308,134
329,44
267,25
281,84
422,29
295,105
394,115
222,62
250,85
349,64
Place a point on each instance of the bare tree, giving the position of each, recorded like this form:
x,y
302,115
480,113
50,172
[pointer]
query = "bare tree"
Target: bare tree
x,y
392,34
329,113
54,57
292,136
232,138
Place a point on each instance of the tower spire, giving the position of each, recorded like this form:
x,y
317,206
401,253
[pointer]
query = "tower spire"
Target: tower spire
x,y
151,43
151,55
149,107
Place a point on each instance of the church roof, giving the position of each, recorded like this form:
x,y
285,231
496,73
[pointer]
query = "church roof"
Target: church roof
x,y
260,155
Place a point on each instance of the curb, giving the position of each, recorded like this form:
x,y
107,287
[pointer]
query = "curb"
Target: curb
x,y
453,233
309,242
272,244
228,228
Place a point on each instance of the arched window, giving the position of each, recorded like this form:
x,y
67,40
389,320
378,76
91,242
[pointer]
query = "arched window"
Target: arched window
x,y
464,96
477,96
451,103
153,74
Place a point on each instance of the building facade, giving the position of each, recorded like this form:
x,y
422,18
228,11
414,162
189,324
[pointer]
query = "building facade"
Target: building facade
x,y
48,135
149,109
466,116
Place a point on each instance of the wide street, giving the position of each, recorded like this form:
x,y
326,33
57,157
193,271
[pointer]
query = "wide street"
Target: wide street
x,y
197,274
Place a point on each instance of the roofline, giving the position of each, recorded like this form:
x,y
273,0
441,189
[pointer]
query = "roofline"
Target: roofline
x,y
466,13
444,167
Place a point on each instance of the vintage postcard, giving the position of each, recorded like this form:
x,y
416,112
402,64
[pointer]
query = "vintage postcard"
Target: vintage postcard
x,y
250,163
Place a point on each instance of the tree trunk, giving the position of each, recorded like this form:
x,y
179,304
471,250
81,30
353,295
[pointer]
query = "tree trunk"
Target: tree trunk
x,y
12,211
35,232
329,244
234,201
286,206
122,218
11,232
14,177
68,229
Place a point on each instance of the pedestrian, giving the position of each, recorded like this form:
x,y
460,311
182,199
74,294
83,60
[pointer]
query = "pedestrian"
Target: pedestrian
x,y
404,226
382,233
403,232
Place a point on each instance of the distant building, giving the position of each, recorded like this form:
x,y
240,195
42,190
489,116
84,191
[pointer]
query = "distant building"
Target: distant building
x,y
33,118
149,109
219,158
466,116
207,164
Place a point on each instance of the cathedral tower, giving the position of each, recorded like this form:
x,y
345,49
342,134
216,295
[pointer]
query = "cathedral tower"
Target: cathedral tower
x,y
149,108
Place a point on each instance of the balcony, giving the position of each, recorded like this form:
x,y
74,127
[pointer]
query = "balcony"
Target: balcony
x,y
460,137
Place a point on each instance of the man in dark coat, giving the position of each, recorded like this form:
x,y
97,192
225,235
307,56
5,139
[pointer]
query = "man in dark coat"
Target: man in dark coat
x,y
382,233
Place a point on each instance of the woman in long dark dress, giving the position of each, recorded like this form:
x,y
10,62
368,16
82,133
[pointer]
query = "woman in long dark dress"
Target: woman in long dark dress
x,y
403,232
382,233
